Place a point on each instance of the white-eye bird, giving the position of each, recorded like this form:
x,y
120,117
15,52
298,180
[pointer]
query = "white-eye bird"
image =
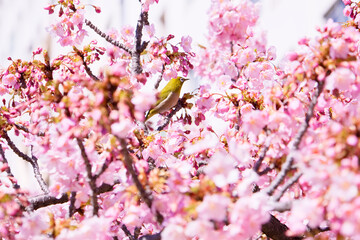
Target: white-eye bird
x,y
168,97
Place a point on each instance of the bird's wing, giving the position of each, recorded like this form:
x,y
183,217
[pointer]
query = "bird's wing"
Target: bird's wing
x,y
163,94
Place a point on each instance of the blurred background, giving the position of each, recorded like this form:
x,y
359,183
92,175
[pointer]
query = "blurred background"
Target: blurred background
x,y
23,29
23,23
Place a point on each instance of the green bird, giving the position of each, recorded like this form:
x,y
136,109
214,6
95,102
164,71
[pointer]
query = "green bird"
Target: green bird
x,y
168,97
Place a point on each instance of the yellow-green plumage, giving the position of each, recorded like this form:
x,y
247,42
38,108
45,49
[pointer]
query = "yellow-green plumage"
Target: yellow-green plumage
x,y
168,97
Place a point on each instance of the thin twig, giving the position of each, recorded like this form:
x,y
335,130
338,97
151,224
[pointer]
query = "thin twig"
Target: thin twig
x,y
127,232
108,38
25,129
47,200
39,178
32,160
72,204
15,149
37,172
139,46
87,69
295,146
265,171
287,185
90,178
262,155
8,170
160,77
102,170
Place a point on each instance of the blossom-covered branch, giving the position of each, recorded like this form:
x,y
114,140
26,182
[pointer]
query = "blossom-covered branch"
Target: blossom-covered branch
x,y
145,192
262,149
8,170
87,69
286,167
32,161
90,177
107,38
46,200
139,44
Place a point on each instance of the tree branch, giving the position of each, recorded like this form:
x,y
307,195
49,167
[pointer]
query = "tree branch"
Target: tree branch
x,y
156,236
32,161
102,170
127,232
287,185
47,200
107,38
87,69
286,167
262,155
145,194
90,178
15,149
160,77
276,230
139,45
281,206
72,204
8,170
25,129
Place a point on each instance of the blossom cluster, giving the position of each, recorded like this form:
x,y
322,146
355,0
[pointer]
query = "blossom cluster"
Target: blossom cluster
x,y
352,9
259,150
69,29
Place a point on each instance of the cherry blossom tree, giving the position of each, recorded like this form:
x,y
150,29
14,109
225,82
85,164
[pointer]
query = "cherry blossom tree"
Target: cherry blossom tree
x,y
260,150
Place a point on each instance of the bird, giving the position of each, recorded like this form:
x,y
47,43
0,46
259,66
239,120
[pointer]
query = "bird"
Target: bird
x,y
168,97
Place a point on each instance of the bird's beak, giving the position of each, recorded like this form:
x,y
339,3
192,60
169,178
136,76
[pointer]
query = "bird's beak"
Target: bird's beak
x,y
185,79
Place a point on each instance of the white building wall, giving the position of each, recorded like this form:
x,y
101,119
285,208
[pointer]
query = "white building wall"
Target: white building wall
x,y
286,21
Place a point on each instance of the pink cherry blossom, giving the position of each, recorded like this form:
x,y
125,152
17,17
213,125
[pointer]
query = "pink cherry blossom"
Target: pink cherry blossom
x,y
221,169
200,228
213,207
257,137
95,227
247,216
173,232
9,80
306,213
339,48
254,122
340,79
121,128
186,43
